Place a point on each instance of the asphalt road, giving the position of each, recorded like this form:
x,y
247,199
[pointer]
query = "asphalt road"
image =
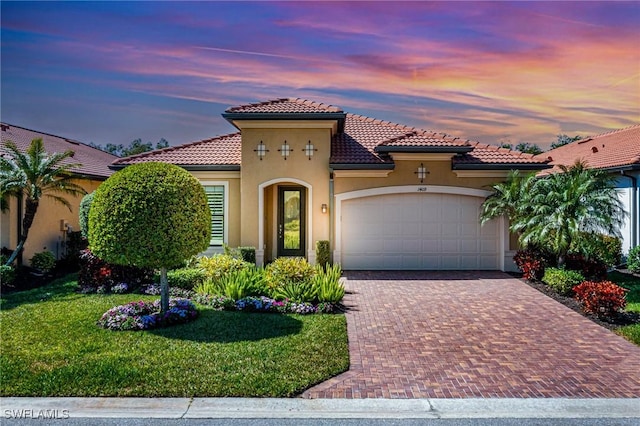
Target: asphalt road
x,y
321,422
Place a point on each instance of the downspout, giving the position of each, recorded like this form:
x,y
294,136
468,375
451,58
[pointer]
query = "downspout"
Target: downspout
x,y
634,209
331,214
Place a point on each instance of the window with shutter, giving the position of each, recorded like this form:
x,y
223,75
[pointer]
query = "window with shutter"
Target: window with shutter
x,y
215,199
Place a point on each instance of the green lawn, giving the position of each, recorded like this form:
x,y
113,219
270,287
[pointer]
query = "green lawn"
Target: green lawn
x,y
51,346
632,283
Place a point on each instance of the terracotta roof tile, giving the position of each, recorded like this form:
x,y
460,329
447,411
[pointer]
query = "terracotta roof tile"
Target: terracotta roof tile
x,y
355,145
489,154
285,106
95,163
218,151
613,149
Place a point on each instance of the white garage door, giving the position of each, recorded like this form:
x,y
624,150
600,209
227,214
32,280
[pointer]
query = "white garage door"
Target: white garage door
x,y
417,231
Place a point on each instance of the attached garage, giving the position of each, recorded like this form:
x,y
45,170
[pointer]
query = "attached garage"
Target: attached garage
x,y
416,229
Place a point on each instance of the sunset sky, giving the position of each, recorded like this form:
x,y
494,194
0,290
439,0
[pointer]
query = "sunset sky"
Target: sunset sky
x,y
488,71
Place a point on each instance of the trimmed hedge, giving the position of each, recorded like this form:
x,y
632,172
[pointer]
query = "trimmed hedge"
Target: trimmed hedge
x,y
85,207
323,253
562,280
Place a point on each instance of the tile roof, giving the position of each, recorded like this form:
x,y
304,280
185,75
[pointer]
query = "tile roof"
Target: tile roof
x,y
356,145
218,151
285,106
95,163
361,141
490,154
618,148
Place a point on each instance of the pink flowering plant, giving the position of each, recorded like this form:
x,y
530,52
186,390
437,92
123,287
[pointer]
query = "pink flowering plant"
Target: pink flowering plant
x,y
145,315
264,304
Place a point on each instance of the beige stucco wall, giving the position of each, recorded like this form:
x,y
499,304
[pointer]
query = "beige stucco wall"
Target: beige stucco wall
x,y
440,173
45,233
258,175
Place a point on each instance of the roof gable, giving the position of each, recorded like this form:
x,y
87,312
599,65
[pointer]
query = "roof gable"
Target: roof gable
x,y
94,162
361,142
611,150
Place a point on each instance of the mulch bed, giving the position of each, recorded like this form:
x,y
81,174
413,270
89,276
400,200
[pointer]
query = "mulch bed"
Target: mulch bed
x,y
622,319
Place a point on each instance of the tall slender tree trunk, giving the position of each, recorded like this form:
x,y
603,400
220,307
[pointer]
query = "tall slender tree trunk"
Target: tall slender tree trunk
x,y
31,208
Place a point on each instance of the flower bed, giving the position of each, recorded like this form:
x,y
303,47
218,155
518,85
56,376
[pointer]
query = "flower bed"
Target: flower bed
x,y
144,315
264,304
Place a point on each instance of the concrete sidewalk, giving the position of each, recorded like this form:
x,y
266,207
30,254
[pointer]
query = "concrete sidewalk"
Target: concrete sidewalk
x,y
298,408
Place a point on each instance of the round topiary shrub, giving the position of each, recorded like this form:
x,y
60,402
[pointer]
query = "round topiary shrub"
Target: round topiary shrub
x,y
151,215
85,206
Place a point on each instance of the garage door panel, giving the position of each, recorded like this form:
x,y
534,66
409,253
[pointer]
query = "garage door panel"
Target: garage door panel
x,y
416,231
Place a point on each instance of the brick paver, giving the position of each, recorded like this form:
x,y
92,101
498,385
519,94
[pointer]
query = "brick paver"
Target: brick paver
x,y
473,334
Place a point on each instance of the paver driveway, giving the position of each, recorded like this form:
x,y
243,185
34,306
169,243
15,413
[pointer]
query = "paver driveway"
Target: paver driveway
x,y
473,334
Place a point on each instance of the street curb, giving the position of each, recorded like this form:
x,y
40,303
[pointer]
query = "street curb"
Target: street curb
x,y
262,408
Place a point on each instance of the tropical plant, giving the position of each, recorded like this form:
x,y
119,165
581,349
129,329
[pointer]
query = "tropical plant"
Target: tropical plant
x,y
35,174
509,198
329,289
554,210
150,215
604,299
288,269
296,291
564,205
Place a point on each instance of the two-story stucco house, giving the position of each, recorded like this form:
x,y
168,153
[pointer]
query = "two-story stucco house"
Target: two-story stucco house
x,y
386,196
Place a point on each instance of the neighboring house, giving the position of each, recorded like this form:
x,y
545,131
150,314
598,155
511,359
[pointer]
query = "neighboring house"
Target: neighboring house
x,y
386,196
53,220
617,152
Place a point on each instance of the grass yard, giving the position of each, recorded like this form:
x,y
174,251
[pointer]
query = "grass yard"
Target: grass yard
x,y
50,346
632,283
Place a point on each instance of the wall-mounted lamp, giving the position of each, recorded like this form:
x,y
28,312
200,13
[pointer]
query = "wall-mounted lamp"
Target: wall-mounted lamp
x,y
285,150
324,208
261,150
309,150
422,172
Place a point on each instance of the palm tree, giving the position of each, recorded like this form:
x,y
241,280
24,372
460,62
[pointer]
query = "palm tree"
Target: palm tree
x,y
567,204
35,174
509,198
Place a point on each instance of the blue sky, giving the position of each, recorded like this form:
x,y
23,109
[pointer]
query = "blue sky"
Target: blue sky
x,y
111,72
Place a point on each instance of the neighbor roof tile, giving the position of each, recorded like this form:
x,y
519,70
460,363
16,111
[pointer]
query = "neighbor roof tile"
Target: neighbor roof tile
x,y
218,151
490,154
95,163
618,148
